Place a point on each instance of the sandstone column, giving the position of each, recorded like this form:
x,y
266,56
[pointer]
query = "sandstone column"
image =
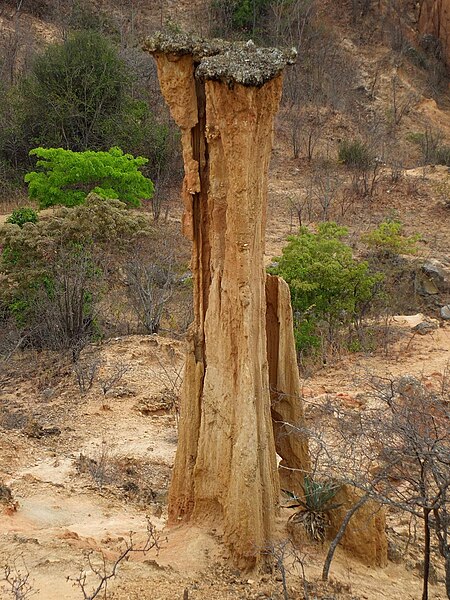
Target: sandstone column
x,y
224,97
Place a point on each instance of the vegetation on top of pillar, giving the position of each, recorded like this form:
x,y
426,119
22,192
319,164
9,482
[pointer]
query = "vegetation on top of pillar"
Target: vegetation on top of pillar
x,y
246,64
222,60
185,43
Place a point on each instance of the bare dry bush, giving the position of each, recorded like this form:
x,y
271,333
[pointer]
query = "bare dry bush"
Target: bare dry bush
x,y
85,372
396,450
326,186
151,286
98,570
115,374
402,101
17,579
287,560
144,483
170,376
100,467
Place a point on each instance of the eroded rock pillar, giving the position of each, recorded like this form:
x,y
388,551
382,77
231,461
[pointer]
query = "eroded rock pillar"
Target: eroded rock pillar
x,y
285,388
224,98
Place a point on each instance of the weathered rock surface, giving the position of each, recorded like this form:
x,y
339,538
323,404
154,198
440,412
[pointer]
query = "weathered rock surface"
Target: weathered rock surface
x,y
225,472
365,537
223,60
439,273
285,389
445,312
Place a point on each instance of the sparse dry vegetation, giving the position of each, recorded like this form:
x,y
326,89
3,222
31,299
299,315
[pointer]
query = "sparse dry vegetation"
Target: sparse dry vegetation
x,y
96,302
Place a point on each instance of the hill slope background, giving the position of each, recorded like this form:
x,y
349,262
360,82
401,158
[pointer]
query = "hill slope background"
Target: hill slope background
x,y
86,467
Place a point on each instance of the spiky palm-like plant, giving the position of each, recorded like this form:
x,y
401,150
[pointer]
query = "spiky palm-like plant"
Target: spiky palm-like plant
x,y
313,510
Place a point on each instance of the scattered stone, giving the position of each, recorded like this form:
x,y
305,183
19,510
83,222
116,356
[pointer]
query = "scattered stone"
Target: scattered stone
x,y
37,431
10,420
7,499
445,312
121,392
394,554
20,539
438,272
48,393
157,405
151,562
409,320
6,495
426,286
149,341
426,327
69,535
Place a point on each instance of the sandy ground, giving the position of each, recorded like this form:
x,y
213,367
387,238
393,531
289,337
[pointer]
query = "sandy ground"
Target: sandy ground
x,y
65,510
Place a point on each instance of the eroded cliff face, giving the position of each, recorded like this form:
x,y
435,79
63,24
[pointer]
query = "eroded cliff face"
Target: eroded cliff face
x,y
225,473
434,19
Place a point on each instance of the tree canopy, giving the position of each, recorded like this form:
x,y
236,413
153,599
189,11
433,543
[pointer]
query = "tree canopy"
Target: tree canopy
x,y
66,177
327,284
76,93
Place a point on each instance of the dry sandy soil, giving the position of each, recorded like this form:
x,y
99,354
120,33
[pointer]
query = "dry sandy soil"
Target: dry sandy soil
x,y
86,484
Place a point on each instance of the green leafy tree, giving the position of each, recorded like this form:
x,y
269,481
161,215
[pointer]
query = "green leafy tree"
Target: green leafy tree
x,y
328,286
82,95
76,95
66,177
388,239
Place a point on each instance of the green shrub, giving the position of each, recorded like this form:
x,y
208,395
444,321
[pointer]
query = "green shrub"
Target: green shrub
x,y
314,508
388,238
65,177
76,94
53,273
241,16
355,154
416,56
23,215
329,288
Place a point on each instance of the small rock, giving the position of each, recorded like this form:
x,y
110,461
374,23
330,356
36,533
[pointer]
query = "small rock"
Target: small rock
x,y
437,271
445,312
425,327
37,431
48,393
394,554
121,392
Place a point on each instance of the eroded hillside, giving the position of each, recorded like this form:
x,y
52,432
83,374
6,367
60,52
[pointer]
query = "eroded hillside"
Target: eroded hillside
x,y
87,448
